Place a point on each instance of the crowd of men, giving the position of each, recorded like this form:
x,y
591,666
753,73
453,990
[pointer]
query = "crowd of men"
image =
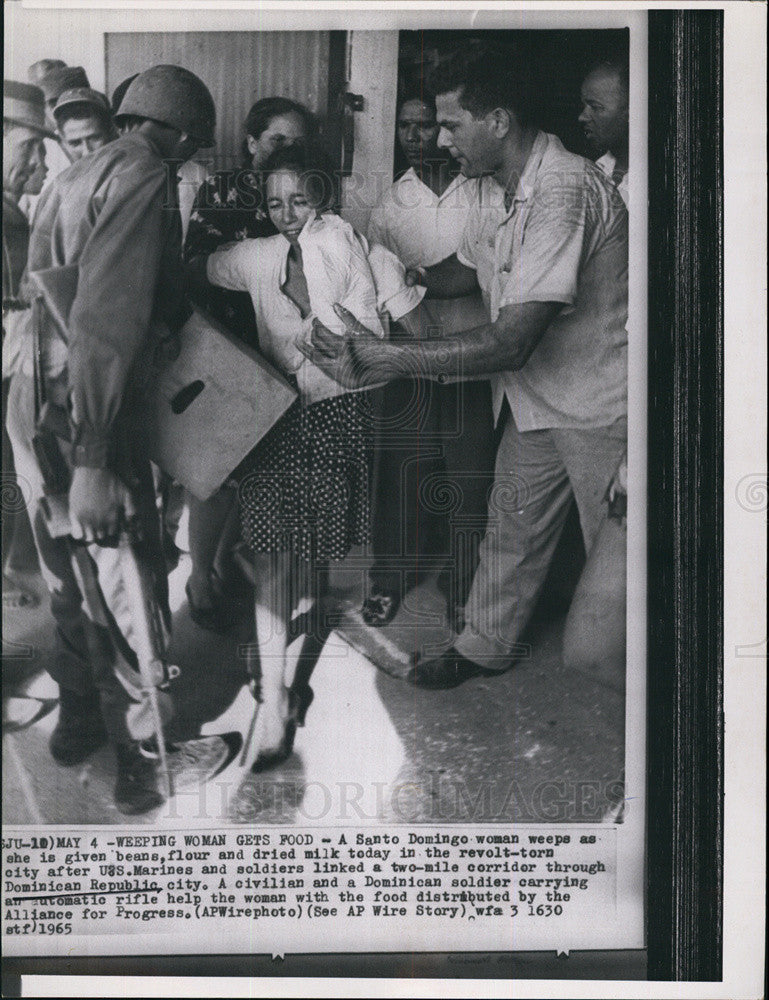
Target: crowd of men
x,y
523,252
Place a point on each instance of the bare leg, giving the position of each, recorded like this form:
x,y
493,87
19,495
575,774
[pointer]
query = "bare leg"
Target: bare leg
x,y
207,521
223,564
272,609
299,667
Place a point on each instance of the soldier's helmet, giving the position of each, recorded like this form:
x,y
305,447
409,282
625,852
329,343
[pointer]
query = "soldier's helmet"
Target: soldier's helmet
x,y
172,96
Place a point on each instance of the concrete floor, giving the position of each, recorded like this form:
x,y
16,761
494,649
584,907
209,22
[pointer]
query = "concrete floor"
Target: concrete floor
x,y
539,743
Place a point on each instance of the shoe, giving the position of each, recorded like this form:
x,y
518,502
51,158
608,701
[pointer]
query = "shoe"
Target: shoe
x,y
299,700
79,730
380,607
448,670
21,711
217,618
266,759
136,786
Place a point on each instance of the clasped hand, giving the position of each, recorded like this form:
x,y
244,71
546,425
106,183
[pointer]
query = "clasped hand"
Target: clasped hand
x,y
349,360
99,505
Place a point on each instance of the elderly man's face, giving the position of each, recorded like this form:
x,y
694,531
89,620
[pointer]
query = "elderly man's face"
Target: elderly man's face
x,y
35,183
470,141
604,116
23,158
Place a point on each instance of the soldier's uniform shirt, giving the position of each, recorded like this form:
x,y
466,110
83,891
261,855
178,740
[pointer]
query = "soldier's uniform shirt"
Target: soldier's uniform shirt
x,y
113,214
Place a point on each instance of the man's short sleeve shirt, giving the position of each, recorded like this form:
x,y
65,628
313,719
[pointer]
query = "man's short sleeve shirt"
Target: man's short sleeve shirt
x,y
563,239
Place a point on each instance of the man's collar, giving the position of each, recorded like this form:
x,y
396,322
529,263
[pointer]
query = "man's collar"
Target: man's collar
x,y
607,163
530,171
528,177
411,176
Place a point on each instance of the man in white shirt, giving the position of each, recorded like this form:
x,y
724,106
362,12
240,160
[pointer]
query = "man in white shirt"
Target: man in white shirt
x,y
436,440
594,633
546,243
605,119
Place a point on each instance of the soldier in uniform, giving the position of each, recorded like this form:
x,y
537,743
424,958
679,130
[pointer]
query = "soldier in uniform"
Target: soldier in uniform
x,y
112,214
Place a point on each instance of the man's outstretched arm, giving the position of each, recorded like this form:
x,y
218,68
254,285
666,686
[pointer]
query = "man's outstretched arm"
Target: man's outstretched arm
x,y
502,346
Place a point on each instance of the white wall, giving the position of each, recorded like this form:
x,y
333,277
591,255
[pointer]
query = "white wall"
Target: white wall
x,y
374,74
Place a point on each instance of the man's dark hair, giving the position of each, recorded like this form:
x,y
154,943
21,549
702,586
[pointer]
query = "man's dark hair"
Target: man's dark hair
x,y
417,93
312,165
486,78
82,110
612,65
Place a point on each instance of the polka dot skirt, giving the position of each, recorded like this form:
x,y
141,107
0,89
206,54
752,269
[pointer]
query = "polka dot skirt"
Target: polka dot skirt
x,y
305,488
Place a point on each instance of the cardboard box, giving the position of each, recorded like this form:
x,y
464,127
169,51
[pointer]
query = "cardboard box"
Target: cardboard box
x,y
211,406
207,409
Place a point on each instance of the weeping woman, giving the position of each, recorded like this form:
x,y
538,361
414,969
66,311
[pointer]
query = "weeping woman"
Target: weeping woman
x,y
229,208
304,495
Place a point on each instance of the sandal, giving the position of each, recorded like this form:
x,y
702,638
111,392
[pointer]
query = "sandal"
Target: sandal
x,y
380,607
217,618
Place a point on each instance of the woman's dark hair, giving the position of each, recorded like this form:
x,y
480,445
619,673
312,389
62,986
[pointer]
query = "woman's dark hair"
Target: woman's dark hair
x,y
119,92
314,168
262,113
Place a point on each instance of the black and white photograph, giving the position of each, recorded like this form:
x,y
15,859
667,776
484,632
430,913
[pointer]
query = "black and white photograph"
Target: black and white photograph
x,y
325,482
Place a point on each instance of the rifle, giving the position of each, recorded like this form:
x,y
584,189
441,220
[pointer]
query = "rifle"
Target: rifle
x,y
52,435
146,619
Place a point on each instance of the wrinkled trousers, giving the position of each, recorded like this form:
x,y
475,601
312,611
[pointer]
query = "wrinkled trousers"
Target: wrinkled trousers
x,y
95,631
537,475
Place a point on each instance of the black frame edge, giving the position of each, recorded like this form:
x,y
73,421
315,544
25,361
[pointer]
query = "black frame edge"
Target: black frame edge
x,y
685,527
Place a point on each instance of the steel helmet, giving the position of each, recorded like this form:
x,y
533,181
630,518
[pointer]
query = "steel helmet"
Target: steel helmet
x,y
172,96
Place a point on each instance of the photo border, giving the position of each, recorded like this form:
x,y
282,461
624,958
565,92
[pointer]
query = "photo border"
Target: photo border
x,y
685,548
